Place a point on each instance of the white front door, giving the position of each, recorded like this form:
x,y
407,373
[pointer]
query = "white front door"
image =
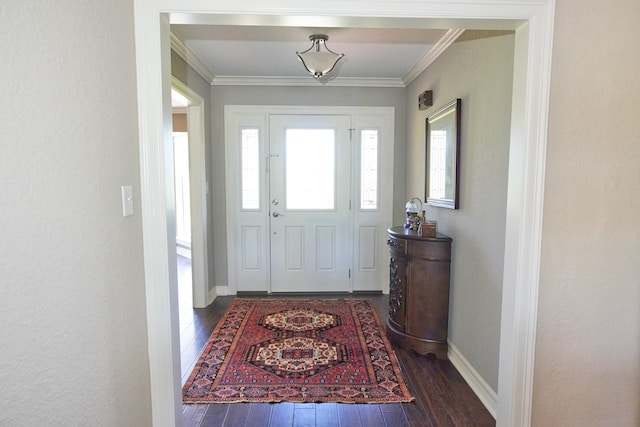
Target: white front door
x,y
309,203
327,175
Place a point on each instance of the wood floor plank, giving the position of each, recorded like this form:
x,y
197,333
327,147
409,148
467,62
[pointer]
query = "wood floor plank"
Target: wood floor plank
x,y
304,417
215,415
416,416
300,405
395,419
237,414
259,414
192,415
443,398
370,415
282,415
441,393
349,416
390,407
326,415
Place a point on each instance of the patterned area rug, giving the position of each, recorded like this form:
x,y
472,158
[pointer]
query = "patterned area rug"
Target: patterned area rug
x,y
276,350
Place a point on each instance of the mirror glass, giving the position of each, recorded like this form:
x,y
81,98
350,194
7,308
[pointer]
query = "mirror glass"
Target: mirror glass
x,y
442,156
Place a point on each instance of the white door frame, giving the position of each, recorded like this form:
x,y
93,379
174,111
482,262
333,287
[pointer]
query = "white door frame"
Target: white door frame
x,y
367,224
198,193
533,22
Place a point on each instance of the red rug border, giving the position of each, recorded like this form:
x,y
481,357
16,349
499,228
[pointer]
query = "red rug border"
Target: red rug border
x,y
408,397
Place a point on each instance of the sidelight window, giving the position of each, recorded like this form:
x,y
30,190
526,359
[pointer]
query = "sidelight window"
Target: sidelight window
x,y
250,166
369,169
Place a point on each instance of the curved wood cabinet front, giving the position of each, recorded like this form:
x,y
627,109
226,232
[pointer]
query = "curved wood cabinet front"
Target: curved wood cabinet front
x,y
419,270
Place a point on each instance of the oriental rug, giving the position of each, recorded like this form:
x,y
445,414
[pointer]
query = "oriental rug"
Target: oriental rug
x,y
297,350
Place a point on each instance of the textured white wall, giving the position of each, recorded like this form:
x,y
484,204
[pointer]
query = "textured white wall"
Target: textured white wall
x,y
587,370
72,304
478,68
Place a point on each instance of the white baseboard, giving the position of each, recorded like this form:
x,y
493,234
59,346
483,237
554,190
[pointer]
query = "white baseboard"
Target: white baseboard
x,y
485,393
212,295
222,291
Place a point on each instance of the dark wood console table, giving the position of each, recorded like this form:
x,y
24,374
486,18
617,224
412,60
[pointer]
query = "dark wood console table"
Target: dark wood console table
x,y
419,291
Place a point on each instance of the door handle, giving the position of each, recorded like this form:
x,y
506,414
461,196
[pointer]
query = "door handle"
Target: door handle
x,y
276,214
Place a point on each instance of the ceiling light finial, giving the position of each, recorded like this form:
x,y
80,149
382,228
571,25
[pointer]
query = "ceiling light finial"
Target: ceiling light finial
x,y
319,62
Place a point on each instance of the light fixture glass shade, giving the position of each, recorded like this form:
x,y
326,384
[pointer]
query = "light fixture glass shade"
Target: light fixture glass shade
x,y
319,60
412,207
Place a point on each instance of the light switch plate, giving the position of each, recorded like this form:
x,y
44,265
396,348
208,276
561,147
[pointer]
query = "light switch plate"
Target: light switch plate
x,y
127,200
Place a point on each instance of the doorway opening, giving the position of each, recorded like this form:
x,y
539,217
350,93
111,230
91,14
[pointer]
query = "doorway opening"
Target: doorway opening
x,y
182,194
533,23
182,190
191,192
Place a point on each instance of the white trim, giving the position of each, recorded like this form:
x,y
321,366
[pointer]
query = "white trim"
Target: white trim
x,y
523,234
432,54
485,393
198,193
533,21
161,283
222,291
239,116
190,58
252,118
305,81
213,293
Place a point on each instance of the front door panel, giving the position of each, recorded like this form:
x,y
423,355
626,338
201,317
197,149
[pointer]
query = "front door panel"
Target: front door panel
x,y
310,220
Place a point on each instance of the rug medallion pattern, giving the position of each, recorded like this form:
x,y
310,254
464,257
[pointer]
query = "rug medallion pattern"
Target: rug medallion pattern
x,y
275,350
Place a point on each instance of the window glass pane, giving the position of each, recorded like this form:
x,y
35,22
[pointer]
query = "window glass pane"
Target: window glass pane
x,y
369,169
250,166
310,169
438,164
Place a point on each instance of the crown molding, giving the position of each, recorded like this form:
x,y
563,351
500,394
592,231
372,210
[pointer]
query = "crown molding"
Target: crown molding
x,y
305,81
427,59
190,58
431,55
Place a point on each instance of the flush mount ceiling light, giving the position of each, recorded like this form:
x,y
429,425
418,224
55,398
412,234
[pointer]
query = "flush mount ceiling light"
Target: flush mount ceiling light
x,y
319,60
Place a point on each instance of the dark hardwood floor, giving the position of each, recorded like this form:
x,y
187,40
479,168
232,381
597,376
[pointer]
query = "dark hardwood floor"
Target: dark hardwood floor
x,y
443,398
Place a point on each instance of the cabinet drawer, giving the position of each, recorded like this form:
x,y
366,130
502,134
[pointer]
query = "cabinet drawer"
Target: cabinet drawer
x,y
397,245
434,250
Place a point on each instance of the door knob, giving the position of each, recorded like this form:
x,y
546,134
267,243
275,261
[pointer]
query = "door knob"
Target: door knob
x,y
276,214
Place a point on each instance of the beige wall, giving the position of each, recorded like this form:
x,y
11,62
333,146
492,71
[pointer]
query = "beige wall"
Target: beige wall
x,y
587,370
477,68
272,95
72,305
72,299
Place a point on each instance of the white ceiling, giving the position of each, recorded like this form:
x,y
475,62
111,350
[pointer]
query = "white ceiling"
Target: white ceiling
x,y
240,54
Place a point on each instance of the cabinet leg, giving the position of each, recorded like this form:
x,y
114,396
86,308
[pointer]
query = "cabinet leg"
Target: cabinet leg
x,y
421,346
